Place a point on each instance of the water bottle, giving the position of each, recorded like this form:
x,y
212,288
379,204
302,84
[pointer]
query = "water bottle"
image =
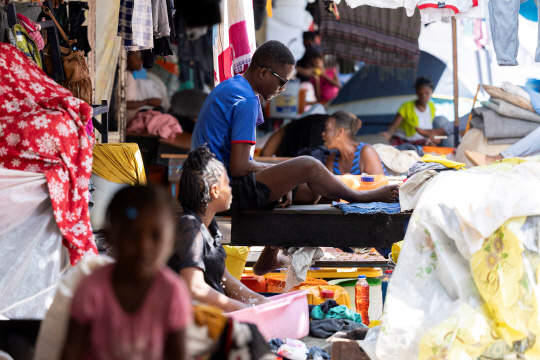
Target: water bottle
x,y
385,280
361,295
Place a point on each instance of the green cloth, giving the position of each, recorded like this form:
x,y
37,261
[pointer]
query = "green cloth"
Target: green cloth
x,y
410,119
27,45
338,312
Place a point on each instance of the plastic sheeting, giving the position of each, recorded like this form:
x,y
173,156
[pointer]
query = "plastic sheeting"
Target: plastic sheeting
x,y
467,277
31,245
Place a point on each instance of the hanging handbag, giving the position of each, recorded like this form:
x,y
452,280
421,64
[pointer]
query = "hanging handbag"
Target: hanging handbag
x,y
77,79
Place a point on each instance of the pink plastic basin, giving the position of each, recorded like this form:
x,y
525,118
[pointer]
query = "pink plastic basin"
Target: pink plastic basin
x,y
286,316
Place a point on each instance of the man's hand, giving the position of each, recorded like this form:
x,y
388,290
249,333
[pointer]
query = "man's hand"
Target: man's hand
x,y
286,200
155,102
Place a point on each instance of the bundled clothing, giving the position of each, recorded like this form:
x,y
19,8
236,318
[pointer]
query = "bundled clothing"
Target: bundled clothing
x,y
155,123
42,128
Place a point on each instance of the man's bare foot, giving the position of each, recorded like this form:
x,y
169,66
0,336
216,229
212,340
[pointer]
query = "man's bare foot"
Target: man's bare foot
x,y
269,260
387,193
479,159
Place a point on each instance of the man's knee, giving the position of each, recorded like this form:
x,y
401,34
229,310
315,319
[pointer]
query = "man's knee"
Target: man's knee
x,y
310,165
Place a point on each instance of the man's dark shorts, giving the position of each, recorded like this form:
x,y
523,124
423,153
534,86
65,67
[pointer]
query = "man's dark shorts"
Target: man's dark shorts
x,y
249,194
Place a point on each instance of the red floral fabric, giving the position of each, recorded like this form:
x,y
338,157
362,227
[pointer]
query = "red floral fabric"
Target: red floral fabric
x,y
42,129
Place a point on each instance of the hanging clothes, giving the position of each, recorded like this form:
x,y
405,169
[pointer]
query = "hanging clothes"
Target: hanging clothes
x,y
76,29
42,129
135,25
376,36
430,11
234,43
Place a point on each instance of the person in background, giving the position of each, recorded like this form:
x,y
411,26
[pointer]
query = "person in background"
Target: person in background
x,y
351,157
304,66
140,95
413,114
325,81
199,256
135,308
227,124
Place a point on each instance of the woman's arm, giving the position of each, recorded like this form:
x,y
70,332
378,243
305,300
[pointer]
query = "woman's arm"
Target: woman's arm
x,y
202,292
371,161
238,291
393,127
76,341
175,345
317,87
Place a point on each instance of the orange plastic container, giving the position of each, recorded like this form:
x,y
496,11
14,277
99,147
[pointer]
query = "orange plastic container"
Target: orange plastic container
x,y
363,182
438,150
341,296
276,283
254,282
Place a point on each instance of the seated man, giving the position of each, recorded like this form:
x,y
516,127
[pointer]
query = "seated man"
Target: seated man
x,y
227,123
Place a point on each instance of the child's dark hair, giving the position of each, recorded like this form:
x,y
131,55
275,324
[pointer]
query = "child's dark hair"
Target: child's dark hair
x,y
128,203
347,121
423,81
200,171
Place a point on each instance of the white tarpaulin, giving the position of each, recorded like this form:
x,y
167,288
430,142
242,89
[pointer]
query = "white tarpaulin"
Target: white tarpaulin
x,y
32,255
468,272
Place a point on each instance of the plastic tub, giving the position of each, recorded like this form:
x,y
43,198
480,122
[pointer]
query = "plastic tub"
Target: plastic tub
x,y
339,273
348,285
254,282
286,316
236,259
315,296
438,150
363,182
276,283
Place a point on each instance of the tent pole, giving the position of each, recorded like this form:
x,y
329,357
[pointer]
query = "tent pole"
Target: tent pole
x,y
456,83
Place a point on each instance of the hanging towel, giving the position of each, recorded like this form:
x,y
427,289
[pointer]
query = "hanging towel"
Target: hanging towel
x,y
376,36
135,24
160,19
369,208
234,39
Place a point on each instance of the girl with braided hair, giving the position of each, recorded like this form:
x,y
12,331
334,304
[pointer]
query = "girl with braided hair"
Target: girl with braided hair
x,y
199,256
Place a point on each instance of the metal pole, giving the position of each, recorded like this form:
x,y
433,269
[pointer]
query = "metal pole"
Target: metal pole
x,y
456,83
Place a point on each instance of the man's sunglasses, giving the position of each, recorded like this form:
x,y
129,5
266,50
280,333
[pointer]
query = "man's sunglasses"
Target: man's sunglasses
x,y
283,81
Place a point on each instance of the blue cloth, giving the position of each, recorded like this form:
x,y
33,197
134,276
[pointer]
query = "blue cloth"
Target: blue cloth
x,y
368,208
140,74
535,98
355,169
529,10
228,116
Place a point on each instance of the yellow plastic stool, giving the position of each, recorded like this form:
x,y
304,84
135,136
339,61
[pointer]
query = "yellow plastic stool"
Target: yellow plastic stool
x,y
236,259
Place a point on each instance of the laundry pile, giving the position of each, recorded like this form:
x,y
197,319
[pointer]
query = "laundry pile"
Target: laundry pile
x,y
329,317
509,115
297,350
419,176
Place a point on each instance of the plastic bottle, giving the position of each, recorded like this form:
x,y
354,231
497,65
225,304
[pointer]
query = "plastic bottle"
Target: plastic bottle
x,y
385,280
361,295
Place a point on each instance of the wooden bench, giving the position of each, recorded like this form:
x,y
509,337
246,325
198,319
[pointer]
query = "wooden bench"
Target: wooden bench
x,y
316,225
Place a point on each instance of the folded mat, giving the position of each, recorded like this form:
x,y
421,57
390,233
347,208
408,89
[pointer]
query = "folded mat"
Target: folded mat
x,y
497,126
369,208
512,111
517,100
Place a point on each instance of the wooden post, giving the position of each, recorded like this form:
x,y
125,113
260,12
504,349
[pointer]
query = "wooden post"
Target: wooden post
x,y
456,83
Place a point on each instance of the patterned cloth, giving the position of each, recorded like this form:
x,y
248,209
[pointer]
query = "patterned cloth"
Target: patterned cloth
x,y
135,25
368,208
42,129
376,36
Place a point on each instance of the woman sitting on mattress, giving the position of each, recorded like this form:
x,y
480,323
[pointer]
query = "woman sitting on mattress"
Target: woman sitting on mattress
x,y
351,157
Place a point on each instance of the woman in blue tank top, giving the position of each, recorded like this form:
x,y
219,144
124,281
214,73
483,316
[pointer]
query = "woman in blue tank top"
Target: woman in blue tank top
x,y
351,157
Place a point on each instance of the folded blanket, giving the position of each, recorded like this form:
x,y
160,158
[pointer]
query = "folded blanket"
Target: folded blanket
x,y
512,111
369,208
503,141
155,123
517,100
514,89
496,126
